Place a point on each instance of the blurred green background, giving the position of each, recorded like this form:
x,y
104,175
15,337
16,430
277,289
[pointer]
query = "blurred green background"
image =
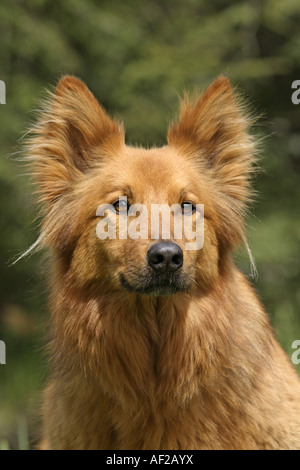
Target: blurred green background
x,y
137,57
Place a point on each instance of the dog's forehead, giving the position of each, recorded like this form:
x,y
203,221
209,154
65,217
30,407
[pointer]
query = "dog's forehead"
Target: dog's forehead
x,y
155,164
159,169
156,174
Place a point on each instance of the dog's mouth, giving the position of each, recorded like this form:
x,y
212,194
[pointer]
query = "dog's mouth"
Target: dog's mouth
x,y
157,285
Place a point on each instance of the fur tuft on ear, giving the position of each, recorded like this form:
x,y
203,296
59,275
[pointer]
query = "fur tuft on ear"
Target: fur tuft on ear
x,y
72,134
214,131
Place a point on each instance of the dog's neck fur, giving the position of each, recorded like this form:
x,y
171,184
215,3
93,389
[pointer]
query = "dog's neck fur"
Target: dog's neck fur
x,y
141,364
164,347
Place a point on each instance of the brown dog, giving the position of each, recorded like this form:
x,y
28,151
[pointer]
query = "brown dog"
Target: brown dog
x,y
155,346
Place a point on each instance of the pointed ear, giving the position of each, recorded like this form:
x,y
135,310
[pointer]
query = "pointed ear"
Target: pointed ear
x,y
71,136
214,130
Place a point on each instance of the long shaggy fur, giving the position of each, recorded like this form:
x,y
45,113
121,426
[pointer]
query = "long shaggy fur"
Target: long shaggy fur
x,y
199,369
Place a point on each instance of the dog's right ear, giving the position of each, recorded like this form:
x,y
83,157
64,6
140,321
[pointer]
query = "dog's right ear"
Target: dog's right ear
x,y
72,135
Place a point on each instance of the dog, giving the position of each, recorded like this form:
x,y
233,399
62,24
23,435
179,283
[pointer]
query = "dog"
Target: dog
x,y
154,345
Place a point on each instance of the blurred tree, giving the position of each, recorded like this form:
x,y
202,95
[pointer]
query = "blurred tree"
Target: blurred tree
x,y
138,57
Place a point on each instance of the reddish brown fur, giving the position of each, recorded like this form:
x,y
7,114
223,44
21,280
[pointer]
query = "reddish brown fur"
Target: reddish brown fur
x,y
194,370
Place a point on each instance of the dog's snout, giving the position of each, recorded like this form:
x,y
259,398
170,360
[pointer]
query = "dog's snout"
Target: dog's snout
x,y
165,256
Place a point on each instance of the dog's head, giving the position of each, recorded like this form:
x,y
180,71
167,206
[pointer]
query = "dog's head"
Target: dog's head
x,y
101,196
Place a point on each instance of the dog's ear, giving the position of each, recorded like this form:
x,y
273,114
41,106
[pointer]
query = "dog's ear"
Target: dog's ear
x,y
71,136
215,130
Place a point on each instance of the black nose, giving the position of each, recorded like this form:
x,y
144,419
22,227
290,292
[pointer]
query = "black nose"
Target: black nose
x,y
165,256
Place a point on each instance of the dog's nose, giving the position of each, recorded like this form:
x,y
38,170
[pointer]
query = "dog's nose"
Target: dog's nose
x,y
165,256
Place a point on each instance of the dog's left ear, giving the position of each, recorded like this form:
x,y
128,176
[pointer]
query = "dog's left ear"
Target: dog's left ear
x,y
215,130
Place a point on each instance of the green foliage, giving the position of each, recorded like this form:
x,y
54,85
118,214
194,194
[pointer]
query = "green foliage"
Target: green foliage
x,y
138,57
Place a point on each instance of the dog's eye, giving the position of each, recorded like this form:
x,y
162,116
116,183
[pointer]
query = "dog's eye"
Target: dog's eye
x,y
121,205
188,208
